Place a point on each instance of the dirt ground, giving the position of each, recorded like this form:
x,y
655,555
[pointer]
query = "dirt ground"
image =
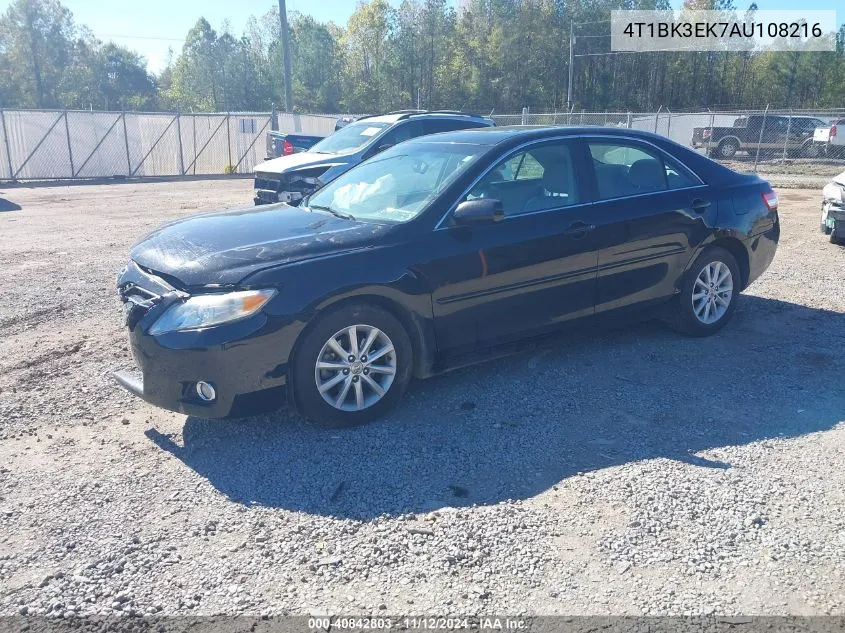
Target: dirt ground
x,y
631,472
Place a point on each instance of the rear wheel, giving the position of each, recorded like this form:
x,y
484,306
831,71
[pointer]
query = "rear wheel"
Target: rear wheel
x,y
811,150
352,366
708,297
727,148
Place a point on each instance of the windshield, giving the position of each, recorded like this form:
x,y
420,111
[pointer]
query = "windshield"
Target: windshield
x,y
396,186
349,138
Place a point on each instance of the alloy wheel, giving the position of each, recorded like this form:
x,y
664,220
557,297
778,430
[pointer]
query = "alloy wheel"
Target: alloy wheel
x,y
355,368
712,293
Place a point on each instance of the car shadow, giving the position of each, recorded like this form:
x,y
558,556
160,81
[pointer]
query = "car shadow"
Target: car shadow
x,y
513,427
8,205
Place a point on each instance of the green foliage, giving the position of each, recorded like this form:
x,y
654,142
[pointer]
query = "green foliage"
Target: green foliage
x,y
484,55
47,62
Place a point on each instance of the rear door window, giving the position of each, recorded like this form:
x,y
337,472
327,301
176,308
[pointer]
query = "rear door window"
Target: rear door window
x,y
623,169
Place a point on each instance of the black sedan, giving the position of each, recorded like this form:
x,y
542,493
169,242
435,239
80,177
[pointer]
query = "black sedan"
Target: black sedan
x,y
442,246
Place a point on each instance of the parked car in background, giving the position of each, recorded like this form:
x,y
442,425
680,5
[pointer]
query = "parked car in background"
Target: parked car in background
x,y
342,122
284,144
831,138
833,209
425,257
291,178
768,133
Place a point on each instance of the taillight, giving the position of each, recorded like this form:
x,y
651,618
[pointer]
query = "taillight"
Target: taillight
x,y
287,148
706,133
832,131
771,200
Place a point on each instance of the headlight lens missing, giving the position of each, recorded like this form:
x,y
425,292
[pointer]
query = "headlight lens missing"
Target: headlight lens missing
x,y
203,311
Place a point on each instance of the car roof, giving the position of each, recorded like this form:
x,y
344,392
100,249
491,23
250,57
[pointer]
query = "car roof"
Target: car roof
x,y
496,135
393,117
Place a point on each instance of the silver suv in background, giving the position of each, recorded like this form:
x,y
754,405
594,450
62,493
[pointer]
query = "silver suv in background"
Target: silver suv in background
x,y
291,178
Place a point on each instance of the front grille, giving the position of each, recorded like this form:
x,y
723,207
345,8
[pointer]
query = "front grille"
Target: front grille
x,y
268,183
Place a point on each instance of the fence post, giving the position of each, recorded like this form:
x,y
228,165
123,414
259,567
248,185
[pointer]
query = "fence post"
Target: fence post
x,y
179,136
786,140
760,139
126,144
194,119
228,141
69,150
6,142
657,118
628,121
669,124
524,116
710,138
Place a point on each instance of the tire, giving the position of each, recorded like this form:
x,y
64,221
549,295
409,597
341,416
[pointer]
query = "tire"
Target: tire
x,y
687,318
811,150
361,402
727,148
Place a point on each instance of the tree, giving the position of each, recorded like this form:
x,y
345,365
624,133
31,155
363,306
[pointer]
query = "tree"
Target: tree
x,y
36,42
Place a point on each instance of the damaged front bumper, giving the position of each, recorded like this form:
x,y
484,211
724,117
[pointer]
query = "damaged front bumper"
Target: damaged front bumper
x,y
833,207
290,188
833,219
244,361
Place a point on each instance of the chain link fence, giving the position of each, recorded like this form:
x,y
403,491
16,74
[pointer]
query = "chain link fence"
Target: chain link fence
x,y
777,144
60,145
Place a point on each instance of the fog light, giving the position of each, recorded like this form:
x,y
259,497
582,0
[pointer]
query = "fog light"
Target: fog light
x,y
205,391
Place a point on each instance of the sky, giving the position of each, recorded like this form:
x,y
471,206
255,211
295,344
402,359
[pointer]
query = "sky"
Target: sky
x,y
150,27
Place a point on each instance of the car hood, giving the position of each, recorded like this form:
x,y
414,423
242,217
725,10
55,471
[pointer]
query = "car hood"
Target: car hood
x,y
225,247
299,160
840,179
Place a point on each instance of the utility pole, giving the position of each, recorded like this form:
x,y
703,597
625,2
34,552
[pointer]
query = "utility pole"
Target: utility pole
x,y
571,43
283,19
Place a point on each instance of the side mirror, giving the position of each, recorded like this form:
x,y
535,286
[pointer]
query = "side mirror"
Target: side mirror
x,y
480,211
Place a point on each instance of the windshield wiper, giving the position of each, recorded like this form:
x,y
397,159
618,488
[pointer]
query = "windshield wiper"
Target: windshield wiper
x,y
339,214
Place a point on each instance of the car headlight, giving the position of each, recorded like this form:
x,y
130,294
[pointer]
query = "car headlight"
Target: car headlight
x,y
212,309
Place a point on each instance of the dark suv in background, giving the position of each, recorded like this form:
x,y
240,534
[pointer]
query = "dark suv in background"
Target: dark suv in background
x,y
291,178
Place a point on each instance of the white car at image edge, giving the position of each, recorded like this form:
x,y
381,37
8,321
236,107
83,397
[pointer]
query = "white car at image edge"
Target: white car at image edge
x,y
833,209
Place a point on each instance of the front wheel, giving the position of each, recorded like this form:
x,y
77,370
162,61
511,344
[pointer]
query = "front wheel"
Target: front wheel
x,y
352,366
708,297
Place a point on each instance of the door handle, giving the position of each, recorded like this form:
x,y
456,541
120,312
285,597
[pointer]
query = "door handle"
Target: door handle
x,y
699,205
579,229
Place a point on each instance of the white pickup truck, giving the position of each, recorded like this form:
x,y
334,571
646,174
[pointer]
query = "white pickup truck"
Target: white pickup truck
x,y
831,138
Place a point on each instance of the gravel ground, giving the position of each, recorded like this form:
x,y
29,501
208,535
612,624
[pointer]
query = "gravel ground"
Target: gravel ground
x,y
792,173
628,472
